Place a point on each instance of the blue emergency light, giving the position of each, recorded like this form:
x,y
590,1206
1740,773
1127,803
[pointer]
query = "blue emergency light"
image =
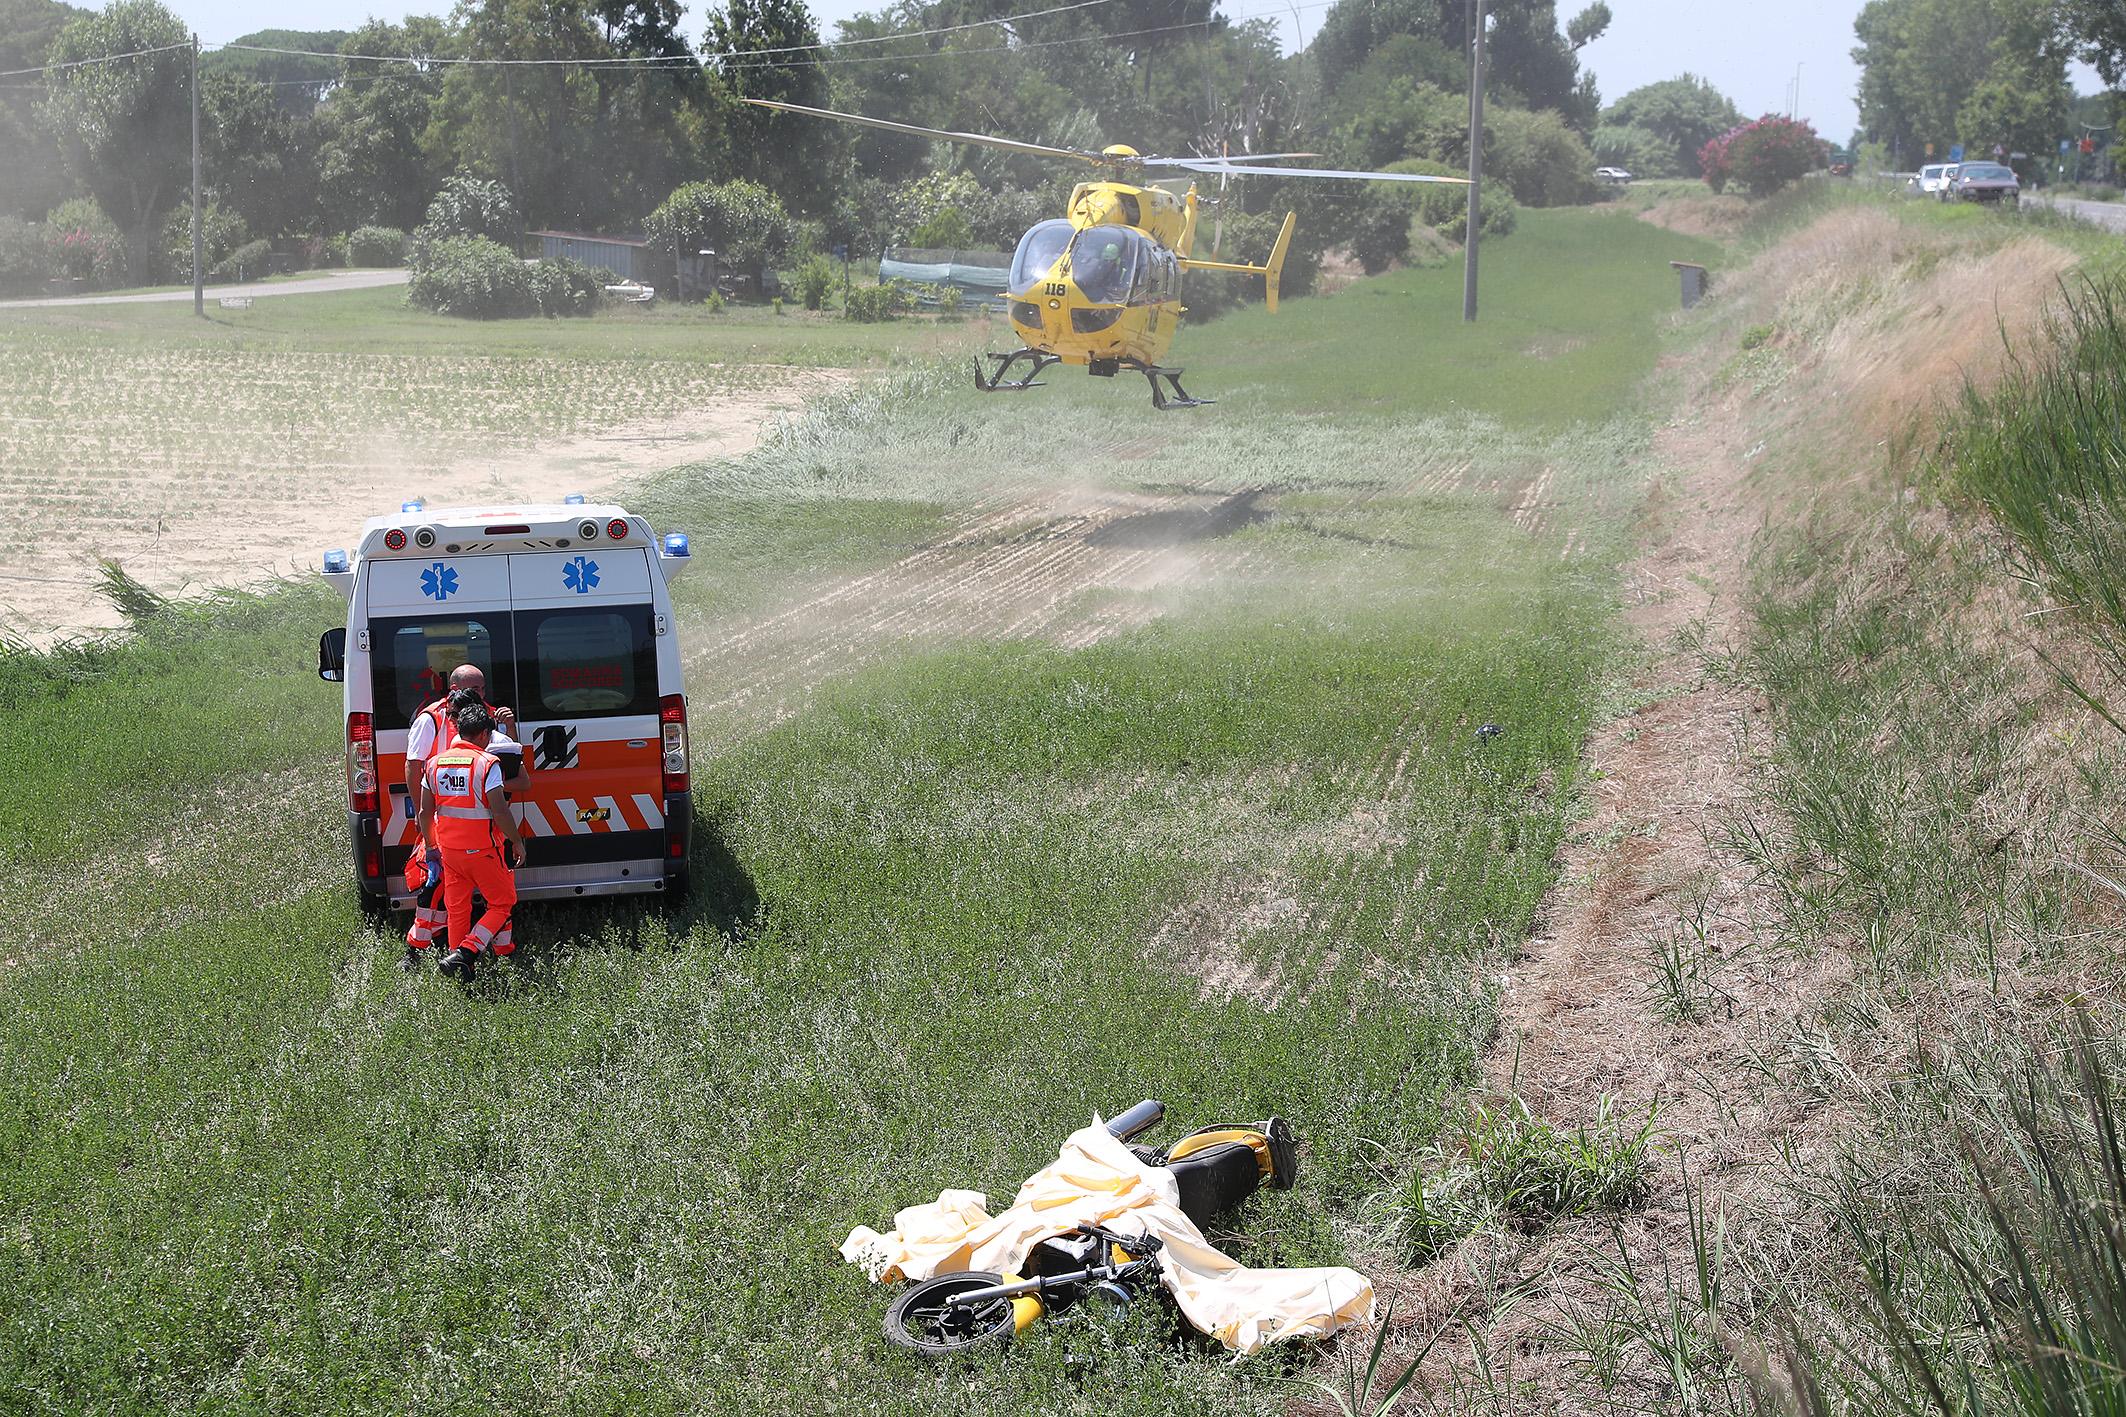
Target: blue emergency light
x,y
573,499
675,544
336,562
413,506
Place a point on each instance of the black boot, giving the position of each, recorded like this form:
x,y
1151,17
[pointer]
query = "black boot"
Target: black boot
x,y
458,964
411,960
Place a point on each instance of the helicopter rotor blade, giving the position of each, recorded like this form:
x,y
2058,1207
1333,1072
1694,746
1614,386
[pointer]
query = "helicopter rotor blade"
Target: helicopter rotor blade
x,y
1223,158
1212,165
980,139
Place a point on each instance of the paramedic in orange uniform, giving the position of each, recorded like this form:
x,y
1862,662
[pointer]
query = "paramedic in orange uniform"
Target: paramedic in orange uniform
x,y
430,730
428,733
463,811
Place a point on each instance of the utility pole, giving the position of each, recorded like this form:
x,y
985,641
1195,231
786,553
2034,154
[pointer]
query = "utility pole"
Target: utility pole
x,y
199,275
1795,111
1476,160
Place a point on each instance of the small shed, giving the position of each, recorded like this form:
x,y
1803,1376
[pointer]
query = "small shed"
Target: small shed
x,y
624,256
984,274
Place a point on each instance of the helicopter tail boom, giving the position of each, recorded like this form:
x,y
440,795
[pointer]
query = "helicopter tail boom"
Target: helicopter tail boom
x,y
1270,272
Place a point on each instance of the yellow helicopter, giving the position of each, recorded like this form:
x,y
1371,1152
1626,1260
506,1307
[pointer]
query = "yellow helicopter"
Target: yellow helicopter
x,y
1101,285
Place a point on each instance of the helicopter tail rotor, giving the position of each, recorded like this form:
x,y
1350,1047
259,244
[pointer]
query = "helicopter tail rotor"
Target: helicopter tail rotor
x,y
1272,272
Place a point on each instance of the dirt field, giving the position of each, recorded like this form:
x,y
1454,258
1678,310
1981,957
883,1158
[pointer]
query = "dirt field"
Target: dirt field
x,y
195,469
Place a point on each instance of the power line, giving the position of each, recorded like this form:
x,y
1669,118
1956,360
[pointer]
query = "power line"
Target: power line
x,y
761,58
99,59
1040,43
656,59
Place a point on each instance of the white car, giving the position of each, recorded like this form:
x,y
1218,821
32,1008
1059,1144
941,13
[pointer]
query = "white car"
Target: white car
x,y
1616,175
1931,180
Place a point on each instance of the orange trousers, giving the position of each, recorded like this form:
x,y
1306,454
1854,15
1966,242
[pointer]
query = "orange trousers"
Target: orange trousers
x,y
484,871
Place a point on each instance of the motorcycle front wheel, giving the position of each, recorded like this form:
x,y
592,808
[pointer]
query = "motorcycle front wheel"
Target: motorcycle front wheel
x,y
925,1320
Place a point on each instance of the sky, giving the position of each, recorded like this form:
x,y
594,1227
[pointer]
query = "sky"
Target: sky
x,y
1750,49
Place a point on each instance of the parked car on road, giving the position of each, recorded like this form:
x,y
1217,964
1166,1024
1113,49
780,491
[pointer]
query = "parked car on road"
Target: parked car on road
x,y
1616,176
1931,179
1983,182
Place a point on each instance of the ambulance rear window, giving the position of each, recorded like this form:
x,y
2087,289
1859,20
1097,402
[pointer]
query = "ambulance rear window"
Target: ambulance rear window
x,y
415,657
586,663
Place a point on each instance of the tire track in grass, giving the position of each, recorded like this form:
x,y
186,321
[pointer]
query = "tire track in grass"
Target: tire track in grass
x,y
970,585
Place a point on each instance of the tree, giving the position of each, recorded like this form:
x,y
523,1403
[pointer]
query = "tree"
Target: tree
x,y
296,81
125,125
373,168
1922,61
2023,112
1533,66
1639,151
2097,29
256,161
1681,114
767,49
36,179
532,126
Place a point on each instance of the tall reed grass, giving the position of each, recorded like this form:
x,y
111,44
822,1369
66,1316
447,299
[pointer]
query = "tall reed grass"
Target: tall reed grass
x,y
2045,452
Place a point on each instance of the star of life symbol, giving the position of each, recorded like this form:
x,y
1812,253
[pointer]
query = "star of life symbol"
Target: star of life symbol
x,y
439,581
580,575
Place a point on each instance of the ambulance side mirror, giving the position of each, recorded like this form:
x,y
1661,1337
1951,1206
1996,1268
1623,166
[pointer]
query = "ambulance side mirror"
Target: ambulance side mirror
x,y
332,655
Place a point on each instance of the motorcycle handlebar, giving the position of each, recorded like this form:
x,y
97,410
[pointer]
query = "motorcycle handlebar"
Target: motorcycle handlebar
x,y
1137,1120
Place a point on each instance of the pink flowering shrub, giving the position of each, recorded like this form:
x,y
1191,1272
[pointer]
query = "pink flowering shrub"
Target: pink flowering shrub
x,y
1763,156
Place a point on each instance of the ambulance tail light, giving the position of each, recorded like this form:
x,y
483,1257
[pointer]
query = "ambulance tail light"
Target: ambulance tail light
x,y
672,714
361,763
372,859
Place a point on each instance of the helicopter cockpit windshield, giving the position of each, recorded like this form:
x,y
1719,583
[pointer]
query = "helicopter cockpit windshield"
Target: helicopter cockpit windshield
x,y
1110,263
1037,253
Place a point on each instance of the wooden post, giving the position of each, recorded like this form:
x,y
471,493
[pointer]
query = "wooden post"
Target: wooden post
x,y
1476,160
199,275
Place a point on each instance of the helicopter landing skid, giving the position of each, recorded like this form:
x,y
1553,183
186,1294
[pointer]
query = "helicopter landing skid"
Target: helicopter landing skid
x,y
1160,400
995,382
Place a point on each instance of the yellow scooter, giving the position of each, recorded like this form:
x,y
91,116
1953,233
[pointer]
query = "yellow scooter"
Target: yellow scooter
x,y
1215,1167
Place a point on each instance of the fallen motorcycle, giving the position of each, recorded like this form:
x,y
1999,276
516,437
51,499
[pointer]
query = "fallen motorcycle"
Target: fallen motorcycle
x,y
1214,1169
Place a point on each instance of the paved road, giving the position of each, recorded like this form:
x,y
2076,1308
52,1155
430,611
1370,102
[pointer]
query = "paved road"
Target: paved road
x,y
309,285
2106,214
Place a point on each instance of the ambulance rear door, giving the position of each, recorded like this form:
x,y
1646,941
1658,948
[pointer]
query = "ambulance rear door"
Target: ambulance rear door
x,y
585,629
424,618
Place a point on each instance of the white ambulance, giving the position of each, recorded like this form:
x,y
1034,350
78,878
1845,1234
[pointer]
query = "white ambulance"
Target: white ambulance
x,y
566,610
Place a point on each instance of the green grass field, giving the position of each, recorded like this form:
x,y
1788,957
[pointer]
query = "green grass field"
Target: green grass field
x,y
961,884
380,320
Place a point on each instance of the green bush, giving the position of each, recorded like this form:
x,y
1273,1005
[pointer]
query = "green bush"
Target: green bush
x,y
471,206
246,262
318,253
25,256
1501,215
742,222
947,230
1444,206
870,304
376,246
1378,228
814,279
85,243
1542,161
471,277
560,287
221,232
